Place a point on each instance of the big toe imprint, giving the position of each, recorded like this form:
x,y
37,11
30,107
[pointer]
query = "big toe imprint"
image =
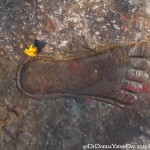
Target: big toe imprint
x,y
121,74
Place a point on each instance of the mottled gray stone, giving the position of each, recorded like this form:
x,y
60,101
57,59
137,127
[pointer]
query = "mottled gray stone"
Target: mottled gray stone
x,y
67,26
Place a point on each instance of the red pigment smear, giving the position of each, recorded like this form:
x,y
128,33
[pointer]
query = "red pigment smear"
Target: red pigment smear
x,y
76,68
144,88
127,98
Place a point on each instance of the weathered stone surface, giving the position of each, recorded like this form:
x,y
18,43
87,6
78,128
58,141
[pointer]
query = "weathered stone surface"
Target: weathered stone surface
x,y
74,27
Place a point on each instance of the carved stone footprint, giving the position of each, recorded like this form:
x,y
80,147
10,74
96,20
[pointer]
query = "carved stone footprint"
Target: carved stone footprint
x,y
120,75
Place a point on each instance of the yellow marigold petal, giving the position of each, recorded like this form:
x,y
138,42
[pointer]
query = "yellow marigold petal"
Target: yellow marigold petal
x,y
32,51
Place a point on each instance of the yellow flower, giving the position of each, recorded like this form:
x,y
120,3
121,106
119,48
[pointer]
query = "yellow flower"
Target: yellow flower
x,y
32,51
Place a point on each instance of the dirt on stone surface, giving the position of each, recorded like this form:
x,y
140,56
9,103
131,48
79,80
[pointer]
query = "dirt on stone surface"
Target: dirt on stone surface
x,y
66,26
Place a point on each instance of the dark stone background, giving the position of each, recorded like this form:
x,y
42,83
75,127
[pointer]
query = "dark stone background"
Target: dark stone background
x,y
67,124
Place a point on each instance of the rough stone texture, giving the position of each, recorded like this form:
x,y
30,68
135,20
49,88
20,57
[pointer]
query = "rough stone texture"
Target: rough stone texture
x,y
66,26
